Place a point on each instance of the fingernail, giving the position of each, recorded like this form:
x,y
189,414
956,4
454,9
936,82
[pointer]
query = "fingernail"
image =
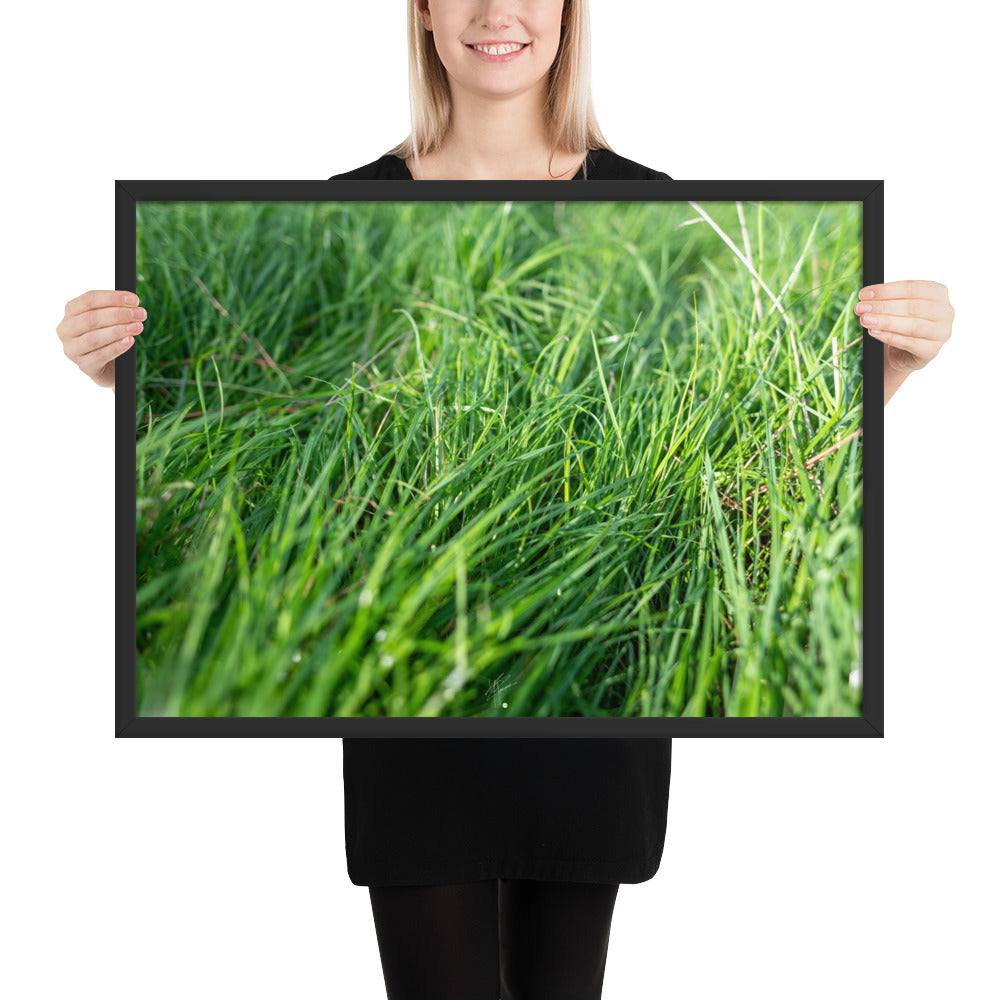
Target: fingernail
x,y
130,300
863,308
866,293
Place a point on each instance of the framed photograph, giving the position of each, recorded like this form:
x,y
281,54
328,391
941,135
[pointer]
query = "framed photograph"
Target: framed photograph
x,y
516,458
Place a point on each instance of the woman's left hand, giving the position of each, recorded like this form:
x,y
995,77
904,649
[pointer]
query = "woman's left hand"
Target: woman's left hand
x,y
912,318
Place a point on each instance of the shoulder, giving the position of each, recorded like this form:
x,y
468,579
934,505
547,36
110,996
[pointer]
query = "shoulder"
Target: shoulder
x,y
604,164
385,168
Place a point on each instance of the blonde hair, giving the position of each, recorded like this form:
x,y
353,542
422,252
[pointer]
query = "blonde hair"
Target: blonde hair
x,y
570,119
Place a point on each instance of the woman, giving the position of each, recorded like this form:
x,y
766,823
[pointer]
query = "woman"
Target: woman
x,y
493,865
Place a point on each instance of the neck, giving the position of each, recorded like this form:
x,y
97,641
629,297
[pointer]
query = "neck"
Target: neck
x,y
497,137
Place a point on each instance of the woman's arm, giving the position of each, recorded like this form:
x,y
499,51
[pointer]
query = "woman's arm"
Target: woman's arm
x,y
891,381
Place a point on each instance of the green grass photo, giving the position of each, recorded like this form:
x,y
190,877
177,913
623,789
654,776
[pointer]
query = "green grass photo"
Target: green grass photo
x,y
498,459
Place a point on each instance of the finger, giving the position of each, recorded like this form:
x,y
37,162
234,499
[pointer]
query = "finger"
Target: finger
x,y
98,319
98,300
907,326
916,346
932,290
935,310
93,362
79,347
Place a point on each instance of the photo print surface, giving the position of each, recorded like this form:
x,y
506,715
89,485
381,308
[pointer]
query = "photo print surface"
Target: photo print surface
x,y
483,459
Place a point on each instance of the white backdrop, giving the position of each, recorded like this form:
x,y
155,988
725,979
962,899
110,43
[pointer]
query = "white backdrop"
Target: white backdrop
x,y
215,868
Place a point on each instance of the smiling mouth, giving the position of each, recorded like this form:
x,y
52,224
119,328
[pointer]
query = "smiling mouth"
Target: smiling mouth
x,y
499,50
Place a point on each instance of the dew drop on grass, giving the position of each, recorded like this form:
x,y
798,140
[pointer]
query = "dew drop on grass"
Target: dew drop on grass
x,y
504,705
380,635
387,660
297,657
365,598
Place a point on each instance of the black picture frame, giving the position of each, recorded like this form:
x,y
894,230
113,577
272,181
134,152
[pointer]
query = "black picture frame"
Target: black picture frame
x,y
130,193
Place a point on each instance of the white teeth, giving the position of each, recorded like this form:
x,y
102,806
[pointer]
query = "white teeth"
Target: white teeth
x,y
497,50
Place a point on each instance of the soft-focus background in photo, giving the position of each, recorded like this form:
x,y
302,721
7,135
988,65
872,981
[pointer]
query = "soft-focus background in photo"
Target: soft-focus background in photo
x,y
216,868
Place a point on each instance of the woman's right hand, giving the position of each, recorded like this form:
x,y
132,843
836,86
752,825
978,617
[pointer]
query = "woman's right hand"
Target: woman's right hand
x,y
97,327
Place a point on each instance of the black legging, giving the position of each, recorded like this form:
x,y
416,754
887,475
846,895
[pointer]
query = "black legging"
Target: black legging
x,y
515,939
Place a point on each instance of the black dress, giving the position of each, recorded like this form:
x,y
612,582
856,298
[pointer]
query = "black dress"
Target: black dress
x,y
438,811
